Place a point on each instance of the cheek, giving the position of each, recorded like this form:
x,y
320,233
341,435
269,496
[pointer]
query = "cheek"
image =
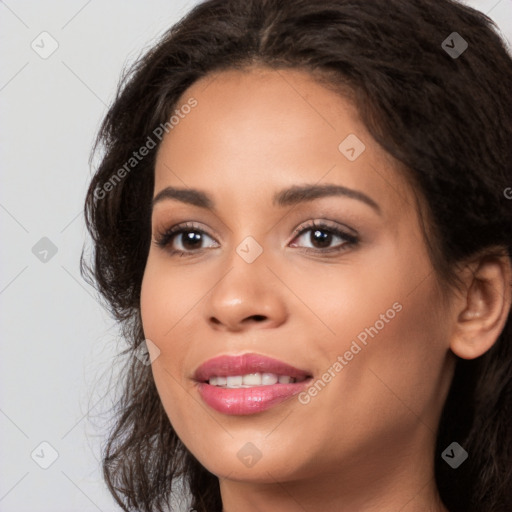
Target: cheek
x,y
348,298
412,354
167,296
395,363
386,321
161,311
167,304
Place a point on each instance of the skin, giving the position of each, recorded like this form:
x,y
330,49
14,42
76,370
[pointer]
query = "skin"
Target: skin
x,y
365,442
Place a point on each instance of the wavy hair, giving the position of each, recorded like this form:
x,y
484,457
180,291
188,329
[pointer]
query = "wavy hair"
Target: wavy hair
x,y
446,120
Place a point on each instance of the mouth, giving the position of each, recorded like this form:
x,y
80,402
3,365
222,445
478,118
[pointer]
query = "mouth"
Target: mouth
x,y
248,383
248,370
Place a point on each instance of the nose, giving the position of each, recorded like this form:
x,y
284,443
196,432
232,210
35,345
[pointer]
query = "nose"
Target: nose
x,y
248,296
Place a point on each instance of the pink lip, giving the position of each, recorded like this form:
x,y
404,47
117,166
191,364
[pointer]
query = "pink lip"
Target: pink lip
x,y
245,401
225,366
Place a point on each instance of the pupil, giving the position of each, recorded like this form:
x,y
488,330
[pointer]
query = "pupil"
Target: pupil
x,y
191,237
322,238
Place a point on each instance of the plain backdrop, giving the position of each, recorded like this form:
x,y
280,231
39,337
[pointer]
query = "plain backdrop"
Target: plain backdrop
x,y
58,344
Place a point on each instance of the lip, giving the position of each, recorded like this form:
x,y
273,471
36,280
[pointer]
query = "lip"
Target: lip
x,y
228,366
243,401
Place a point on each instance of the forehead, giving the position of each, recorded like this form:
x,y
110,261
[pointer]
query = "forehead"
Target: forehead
x,y
258,130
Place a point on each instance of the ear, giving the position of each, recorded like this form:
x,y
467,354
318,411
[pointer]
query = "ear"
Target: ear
x,y
483,310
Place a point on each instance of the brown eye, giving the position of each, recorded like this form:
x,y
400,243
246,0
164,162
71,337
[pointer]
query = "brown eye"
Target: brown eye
x,y
322,236
182,239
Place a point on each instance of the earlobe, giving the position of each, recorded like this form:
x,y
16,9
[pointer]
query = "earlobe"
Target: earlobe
x,y
485,307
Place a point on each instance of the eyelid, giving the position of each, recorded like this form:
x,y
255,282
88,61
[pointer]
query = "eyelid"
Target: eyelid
x,y
325,223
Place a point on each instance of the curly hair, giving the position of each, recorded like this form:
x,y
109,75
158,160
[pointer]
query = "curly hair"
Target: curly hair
x,y
446,118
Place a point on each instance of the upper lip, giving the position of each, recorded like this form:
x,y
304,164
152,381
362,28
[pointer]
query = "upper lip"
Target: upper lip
x,y
230,365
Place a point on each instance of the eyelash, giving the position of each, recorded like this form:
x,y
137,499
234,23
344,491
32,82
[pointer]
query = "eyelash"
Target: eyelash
x,y
164,239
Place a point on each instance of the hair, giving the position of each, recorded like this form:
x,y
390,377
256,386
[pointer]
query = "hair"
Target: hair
x,y
446,120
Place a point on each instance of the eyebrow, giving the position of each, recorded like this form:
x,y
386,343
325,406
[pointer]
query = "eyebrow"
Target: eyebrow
x,y
286,197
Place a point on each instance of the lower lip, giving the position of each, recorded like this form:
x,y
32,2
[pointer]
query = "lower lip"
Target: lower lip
x,y
243,401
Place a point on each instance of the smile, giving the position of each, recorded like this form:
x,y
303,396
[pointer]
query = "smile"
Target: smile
x,y
248,383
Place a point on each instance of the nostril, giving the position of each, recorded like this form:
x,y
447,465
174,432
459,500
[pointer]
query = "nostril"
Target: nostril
x,y
258,318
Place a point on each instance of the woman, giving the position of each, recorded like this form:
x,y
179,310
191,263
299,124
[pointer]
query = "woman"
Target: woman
x,y
302,212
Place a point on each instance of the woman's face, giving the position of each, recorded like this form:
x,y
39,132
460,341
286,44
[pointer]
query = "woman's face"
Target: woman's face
x,y
350,302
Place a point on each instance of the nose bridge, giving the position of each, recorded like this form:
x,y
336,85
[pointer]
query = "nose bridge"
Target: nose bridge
x,y
247,289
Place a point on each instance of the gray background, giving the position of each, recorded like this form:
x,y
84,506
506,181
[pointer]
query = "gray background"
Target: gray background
x,y
57,342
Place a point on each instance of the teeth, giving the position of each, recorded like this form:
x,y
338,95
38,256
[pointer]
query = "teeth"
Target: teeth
x,y
234,381
250,380
269,379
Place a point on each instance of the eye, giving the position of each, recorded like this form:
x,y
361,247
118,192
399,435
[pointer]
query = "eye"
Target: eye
x,y
188,237
321,236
